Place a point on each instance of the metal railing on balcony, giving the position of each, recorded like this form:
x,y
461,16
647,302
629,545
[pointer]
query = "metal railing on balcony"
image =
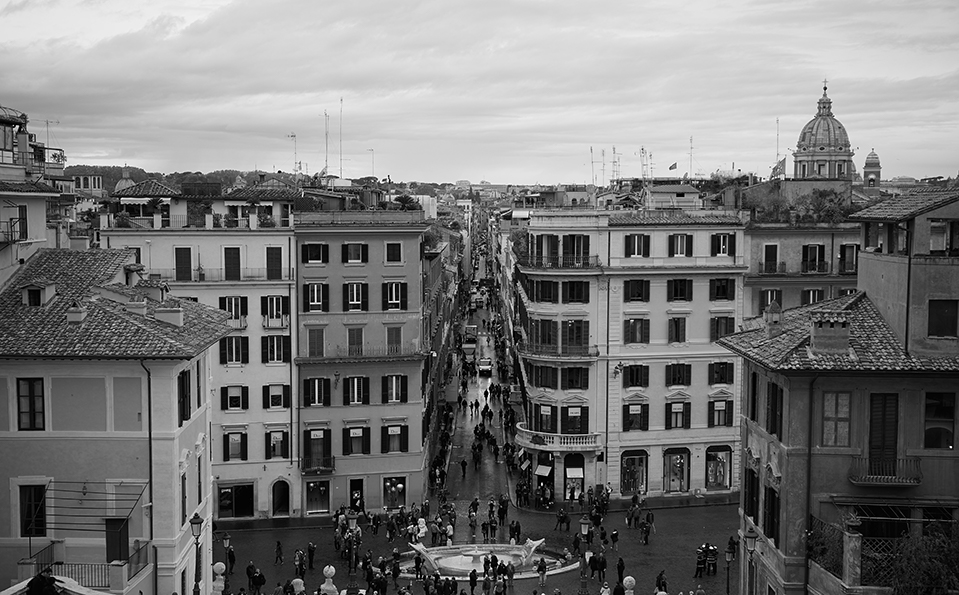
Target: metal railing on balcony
x,y
368,350
276,322
847,267
772,268
92,576
554,350
559,262
899,471
208,275
238,323
825,546
814,266
13,230
317,463
549,441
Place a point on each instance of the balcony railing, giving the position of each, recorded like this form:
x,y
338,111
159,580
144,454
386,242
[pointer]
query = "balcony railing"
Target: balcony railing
x,y
211,275
554,350
847,268
281,322
366,351
317,464
870,471
556,442
815,266
13,230
238,323
559,262
772,268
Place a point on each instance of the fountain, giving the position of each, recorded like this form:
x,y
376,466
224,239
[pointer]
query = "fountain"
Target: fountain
x,y
459,560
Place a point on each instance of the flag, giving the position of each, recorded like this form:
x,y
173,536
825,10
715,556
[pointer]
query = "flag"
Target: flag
x,y
779,169
674,165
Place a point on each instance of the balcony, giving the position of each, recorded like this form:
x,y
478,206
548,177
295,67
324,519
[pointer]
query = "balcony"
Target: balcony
x,y
814,267
559,262
14,230
848,268
276,322
772,268
886,472
317,464
238,323
206,221
205,275
365,351
557,442
100,576
554,350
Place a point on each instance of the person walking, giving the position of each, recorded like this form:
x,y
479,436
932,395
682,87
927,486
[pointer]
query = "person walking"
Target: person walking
x,y
258,581
541,570
250,571
463,465
278,551
231,558
474,579
614,539
620,570
310,553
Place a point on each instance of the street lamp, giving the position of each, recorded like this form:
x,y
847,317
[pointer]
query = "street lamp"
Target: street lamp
x,y
354,545
750,537
229,569
730,552
584,524
196,527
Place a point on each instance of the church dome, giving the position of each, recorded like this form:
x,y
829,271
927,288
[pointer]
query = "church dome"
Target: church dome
x,y
872,159
824,132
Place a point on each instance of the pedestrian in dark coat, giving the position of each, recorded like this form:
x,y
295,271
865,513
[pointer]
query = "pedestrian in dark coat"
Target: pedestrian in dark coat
x,y
620,570
474,579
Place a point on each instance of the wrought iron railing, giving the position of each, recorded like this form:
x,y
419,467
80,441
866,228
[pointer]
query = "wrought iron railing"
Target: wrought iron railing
x,y
815,266
283,321
92,576
824,543
216,274
559,262
772,268
317,463
847,267
886,470
13,230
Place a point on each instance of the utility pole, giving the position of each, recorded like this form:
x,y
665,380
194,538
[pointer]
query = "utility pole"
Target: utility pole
x,y
690,158
48,122
373,161
293,136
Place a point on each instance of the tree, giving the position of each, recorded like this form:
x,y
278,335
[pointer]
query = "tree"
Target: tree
x,y
407,203
519,239
927,564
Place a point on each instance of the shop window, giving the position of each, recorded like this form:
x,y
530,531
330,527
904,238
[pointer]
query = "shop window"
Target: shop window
x,y
394,492
633,472
676,470
718,467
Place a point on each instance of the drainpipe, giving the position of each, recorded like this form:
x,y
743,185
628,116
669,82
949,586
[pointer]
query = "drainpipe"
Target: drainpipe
x,y
292,293
809,418
908,288
609,290
150,468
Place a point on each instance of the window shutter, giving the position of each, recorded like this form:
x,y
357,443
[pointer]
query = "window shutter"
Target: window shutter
x,y
671,326
714,244
687,374
384,439
345,250
224,398
244,311
805,252
644,330
669,374
385,389
346,297
672,245
404,438
645,288
584,420
269,450
669,289
669,418
346,391
626,423
711,374
245,397
266,396
307,391
285,445
306,297
627,286
731,288
403,292
553,291
644,417
223,353
564,332
644,373
537,412
327,391
226,448
687,414
222,303
689,245
732,244
689,289
328,443
366,439
645,245
386,291
366,390
585,247
264,305
713,334
306,448
366,253
304,251
243,447
287,348
325,253
626,336
365,297
564,420
244,350
552,417
325,296
629,245
565,288
554,381
264,349
404,389
729,412
712,290
285,305
710,408
346,442
287,399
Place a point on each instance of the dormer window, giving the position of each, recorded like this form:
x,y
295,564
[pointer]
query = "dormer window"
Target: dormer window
x,y
32,296
38,293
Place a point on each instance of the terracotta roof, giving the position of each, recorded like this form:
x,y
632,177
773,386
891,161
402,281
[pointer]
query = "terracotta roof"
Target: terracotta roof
x,y
264,193
148,188
907,206
109,330
676,217
873,344
27,187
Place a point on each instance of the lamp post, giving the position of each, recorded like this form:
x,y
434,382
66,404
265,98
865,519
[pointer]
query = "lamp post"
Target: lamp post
x,y
196,527
226,575
354,544
584,524
730,552
750,537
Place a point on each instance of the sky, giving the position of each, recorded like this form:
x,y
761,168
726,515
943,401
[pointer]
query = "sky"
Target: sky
x,y
503,91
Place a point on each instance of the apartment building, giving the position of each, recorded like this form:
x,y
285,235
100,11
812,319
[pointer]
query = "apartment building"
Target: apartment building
x,y
615,318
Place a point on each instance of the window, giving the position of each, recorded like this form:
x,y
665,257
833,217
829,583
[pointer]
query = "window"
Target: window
x,y
394,388
275,349
678,415
183,396
677,329
34,297
356,441
183,264
722,289
231,263
774,409
354,341
723,244
575,336
575,292
183,499
33,511
940,420
395,439
718,467
316,392
355,253
633,472
277,444
355,297
811,296
634,376
768,296
394,252
721,373
575,250
316,297
753,411
944,318
30,414
544,376
770,264
719,413
636,290
394,296
234,398
676,469
635,417
720,326
545,417
234,446
637,244
680,244
575,378
636,330
679,290
844,291
234,350
678,374
315,253
314,342
545,291
814,259
835,419
356,391
394,339
274,308
543,333
236,306
274,263
771,516
276,396
750,493
575,420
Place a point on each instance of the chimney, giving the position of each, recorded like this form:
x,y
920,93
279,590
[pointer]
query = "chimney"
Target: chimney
x,y
773,317
155,291
76,313
829,332
79,242
137,306
172,316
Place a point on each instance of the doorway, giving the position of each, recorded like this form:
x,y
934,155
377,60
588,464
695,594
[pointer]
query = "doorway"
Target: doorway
x,y
281,498
357,497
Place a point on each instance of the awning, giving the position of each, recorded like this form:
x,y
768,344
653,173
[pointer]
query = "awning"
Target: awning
x,y
521,452
141,200
574,472
543,470
524,466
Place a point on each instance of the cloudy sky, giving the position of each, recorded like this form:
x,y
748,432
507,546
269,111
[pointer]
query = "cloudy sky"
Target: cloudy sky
x,y
505,91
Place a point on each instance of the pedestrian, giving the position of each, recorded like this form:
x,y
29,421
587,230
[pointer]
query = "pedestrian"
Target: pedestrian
x,y
620,570
699,590
712,556
602,566
614,538
700,561
298,587
418,566
231,557
661,581
311,552
604,590
258,581
541,569
474,579
487,584
463,465
278,551
510,571
250,571
278,590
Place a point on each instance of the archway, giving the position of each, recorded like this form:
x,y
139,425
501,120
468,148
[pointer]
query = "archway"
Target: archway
x,y
281,498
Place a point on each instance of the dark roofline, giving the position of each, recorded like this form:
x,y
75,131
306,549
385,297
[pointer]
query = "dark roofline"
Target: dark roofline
x,y
946,200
